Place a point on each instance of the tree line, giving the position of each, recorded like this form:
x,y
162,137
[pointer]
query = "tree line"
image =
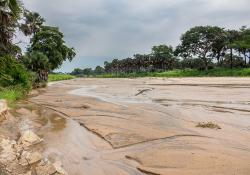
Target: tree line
x,y
201,47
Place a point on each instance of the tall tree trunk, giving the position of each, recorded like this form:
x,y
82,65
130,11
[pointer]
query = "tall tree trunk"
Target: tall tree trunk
x,y
231,58
42,75
218,60
205,61
245,57
248,58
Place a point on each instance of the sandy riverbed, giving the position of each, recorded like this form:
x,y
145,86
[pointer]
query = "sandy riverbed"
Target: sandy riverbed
x,y
148,125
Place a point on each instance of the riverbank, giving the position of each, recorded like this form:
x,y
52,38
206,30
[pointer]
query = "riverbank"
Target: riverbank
x,y
181,126
163,116
14,93
183,73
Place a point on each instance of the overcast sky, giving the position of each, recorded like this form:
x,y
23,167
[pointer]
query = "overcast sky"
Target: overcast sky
x,y
101,30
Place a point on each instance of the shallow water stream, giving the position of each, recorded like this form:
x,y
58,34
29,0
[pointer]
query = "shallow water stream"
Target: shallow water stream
x,y
79,150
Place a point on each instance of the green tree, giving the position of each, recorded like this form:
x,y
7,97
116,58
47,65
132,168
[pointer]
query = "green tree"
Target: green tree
x,y
87,71
49,41
32,23
219,44
242,43
200,42
163,57
12,73
232,36
143,62
99,70
107,67
76,71
36,61
9,14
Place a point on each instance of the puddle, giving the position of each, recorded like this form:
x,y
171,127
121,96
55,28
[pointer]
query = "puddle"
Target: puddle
x,y
80,151
90,91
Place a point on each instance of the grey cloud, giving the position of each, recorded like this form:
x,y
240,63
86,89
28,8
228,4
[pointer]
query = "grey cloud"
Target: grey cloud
x,y
105,29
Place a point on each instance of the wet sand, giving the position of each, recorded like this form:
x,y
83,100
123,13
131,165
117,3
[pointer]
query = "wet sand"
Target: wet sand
x,y
145,126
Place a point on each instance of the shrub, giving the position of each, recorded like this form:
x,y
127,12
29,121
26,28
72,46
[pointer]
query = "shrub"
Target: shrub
x,y
13,73
12,94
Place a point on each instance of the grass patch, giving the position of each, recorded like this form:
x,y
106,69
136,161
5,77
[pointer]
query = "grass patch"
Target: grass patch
x,y
218,72
208,125
11,94
59,77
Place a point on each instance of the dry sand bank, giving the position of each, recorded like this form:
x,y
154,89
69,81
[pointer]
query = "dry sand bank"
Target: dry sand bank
x,y
148,125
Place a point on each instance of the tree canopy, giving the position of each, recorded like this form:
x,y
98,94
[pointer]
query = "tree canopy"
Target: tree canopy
x,y
47,51
202,42
201,47
9,14
32,23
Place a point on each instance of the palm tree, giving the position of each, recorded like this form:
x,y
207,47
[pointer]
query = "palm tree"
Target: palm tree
x,y
33,23
9,14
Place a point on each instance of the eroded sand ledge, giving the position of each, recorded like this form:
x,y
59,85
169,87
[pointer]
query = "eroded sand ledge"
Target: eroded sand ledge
x,y
156,128
3,110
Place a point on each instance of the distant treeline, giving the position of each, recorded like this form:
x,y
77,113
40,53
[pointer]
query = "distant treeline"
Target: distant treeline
x,y
201,48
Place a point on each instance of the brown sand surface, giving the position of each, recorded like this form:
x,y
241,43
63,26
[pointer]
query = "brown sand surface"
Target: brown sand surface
x,y
148,125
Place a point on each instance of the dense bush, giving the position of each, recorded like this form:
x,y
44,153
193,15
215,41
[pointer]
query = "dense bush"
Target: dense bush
x,y
192,63
13,73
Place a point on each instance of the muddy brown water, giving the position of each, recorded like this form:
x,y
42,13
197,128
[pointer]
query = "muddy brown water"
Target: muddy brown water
x,y
108,127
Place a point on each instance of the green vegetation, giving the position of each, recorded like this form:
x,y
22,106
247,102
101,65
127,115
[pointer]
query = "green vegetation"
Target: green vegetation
x,y
201,49
12,73
59,77
219,72
47,49
10,12
208,125
15,81
46,52
11,94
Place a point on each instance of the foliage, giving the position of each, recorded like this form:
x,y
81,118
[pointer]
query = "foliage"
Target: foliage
x,y
49,41
35,61
203,42
9,14
47,52
11,94
15,81
201,48
242,43
32,23
59,77
217,72
163,57
83,72
99,70
192,63
13,73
